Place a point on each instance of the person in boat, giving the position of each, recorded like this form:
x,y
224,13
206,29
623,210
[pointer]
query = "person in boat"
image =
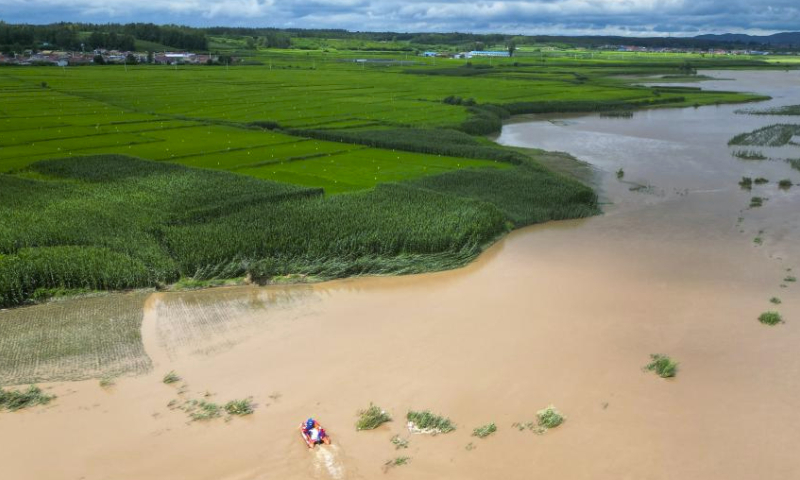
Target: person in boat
x,y
314,432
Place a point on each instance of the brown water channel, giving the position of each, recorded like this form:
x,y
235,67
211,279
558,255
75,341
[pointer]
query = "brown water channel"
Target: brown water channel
x,y
565,313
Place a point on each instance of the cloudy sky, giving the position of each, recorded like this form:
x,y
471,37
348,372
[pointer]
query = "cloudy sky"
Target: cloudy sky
x,y
578,17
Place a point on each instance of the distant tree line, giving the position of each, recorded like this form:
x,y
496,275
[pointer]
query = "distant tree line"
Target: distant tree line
x,y
67,36
123,36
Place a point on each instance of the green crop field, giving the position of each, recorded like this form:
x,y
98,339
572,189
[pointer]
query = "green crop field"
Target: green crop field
x,y
304,161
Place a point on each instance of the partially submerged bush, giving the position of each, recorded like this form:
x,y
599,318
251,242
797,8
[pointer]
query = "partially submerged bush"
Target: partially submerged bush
x,y
239,407
664,366
746,182
171,377
756,202
761,181
770,318
14,400
775,300
785,184
372,418
549,417
427,422
790,278
484,431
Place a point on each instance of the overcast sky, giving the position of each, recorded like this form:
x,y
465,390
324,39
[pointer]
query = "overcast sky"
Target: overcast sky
x,y
569,17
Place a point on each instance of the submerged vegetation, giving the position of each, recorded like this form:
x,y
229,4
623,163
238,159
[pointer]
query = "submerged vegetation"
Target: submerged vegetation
x,y
484,431
662,365
426,422
549,417
776,135
90,337
239,407
749,155
14,400
785,110
372,418
399,442
770,318
171,377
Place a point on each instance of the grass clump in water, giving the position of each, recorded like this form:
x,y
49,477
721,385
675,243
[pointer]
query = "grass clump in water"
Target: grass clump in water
x,y
107,382
775,300
785,184
399,442
756,202
372,418
427,422
770,318
484,431
746,183
790,279
549,417
14,400
761,181
620,173
203,410
662,365
395,462
239,407
749,155
171,377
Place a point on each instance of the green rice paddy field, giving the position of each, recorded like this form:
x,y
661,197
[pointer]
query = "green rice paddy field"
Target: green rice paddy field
x,y
195,115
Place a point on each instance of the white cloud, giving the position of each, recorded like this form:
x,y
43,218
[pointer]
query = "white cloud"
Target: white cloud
x,y
534,16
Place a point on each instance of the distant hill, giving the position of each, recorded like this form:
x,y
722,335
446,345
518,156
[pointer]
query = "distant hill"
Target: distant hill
x,y
785,39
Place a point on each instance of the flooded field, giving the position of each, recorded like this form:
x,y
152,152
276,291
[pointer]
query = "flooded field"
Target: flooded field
x,y
565,313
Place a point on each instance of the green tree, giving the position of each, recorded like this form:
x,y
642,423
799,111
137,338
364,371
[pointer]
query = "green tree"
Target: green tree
x,y
512,47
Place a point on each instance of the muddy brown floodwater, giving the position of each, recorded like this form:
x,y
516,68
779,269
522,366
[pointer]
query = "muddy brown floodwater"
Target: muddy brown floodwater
x,y
565,313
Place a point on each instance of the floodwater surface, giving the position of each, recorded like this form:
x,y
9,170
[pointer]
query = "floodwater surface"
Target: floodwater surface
x,y
565,313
